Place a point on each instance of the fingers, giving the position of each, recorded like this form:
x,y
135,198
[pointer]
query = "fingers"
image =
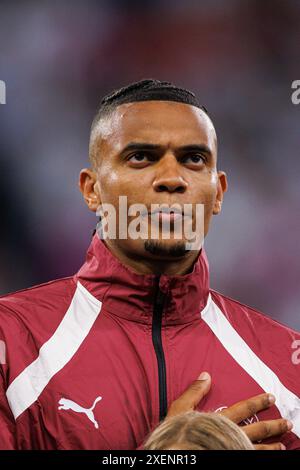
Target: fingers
x,y
264,429
192,396
274,446
247,408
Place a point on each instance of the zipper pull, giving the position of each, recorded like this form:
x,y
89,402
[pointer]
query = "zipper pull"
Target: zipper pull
x,y
159,296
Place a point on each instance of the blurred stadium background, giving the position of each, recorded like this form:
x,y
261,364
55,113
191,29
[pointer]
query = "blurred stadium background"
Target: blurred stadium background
x,y
240,56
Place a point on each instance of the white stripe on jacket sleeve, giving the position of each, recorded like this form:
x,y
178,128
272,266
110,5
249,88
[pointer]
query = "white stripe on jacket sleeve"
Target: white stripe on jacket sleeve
x,y
56,352
286,401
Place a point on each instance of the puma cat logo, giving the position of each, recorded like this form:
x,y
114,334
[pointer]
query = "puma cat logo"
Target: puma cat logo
x,y
66,404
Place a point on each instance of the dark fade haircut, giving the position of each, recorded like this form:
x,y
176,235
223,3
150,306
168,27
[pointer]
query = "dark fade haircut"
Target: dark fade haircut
x,y
143,90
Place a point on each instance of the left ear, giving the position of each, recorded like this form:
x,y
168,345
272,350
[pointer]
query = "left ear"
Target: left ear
x,y
221,189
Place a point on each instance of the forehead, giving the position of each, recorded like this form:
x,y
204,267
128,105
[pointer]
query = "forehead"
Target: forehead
x,y
157,122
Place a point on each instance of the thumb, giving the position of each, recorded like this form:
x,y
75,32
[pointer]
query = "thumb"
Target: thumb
x,y
192,395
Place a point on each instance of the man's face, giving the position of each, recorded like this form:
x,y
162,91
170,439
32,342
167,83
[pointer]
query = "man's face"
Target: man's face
x,y
157,152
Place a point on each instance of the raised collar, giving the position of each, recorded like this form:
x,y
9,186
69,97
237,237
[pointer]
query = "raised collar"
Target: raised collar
x,y
129,295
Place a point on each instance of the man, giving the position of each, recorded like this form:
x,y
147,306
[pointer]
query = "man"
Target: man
x,y
95,360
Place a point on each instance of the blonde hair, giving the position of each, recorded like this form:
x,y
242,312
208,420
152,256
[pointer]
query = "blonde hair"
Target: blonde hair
x,y
202,431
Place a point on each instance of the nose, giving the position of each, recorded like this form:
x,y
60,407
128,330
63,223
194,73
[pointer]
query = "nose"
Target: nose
x,y
168,176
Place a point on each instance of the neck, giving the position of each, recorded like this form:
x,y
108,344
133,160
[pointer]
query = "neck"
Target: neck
x,y
144,264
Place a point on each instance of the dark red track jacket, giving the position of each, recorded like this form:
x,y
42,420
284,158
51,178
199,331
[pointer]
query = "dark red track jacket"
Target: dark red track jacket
x,y
93,361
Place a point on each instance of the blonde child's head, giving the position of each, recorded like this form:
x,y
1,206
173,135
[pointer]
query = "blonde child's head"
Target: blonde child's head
x,y
202,431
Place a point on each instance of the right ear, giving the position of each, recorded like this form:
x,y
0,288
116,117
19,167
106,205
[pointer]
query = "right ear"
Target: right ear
x,y
88,186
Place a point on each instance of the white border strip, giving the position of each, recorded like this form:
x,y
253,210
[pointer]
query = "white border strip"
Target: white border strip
x,y
286,401
56,352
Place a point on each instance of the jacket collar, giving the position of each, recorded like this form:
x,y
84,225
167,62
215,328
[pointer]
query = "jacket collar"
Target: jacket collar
x,y
129,295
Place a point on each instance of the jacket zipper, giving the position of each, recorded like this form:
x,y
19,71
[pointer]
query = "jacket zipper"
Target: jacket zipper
x,y
159,300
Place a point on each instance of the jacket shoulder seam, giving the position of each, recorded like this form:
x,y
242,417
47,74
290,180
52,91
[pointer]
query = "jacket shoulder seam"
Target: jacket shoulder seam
x,y
36,286
256,311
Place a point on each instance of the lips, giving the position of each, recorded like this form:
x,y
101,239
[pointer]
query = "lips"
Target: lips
x,y
167,217
167,211
166,214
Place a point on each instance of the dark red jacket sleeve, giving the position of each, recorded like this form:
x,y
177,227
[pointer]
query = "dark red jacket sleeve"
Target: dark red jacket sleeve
x,y
7,422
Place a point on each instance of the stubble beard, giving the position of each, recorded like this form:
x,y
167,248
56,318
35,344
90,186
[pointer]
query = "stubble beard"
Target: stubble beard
x,y
159,248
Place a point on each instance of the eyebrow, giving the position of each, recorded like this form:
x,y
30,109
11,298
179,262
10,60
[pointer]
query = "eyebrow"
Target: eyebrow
x,y
185,148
